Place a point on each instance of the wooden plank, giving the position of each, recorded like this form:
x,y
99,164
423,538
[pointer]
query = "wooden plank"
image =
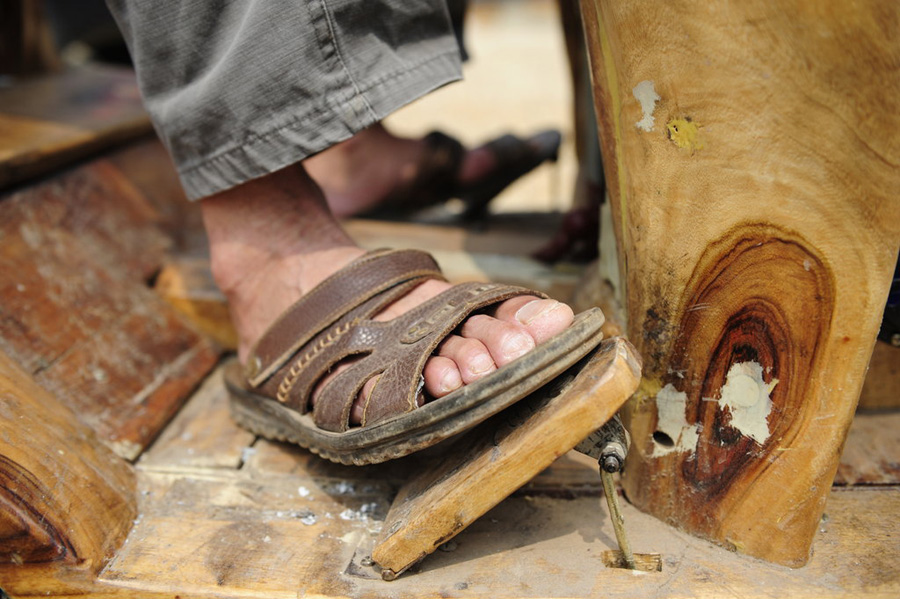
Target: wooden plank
x,y
54,119
882,387
66,502
758,230
186,283
202,435
147,167
252,538
506,235
527,547
77,314
871,454
486,466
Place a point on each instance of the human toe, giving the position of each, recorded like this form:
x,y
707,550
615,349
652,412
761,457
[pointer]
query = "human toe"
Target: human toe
x,y
505,341
541,318
442,376
471,356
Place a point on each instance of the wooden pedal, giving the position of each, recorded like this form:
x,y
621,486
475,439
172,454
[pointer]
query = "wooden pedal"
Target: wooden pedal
x,y
488,464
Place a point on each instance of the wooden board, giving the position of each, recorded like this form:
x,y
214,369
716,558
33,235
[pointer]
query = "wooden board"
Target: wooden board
x,y
487,465
55,119
882,387
871,455
77,313
751,159
66,502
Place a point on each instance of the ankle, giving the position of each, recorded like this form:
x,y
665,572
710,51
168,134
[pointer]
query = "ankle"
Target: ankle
x,y
266,223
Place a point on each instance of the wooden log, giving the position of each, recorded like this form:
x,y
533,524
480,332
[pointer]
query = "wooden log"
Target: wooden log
x,y
66,501
752,159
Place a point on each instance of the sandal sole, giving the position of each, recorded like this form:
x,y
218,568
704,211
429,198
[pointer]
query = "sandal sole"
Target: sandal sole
x,y
432,423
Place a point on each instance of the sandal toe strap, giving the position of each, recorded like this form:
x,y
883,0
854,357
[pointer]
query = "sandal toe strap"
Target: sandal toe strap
x,y
397,350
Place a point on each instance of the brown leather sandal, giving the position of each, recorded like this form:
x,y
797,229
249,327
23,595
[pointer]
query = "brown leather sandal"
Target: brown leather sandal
x,y
438,174
271,394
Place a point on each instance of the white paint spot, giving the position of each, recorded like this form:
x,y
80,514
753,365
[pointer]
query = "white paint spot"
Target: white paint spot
x,y
746,397
670,409
807,264
645,93
303,492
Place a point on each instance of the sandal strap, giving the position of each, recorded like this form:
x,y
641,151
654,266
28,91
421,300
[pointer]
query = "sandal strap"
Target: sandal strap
x,y
371,275
394,350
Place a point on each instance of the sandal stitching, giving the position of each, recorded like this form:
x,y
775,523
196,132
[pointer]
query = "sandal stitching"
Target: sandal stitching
x,y
287,383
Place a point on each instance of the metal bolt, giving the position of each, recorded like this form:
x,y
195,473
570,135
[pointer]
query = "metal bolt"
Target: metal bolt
x,y
612,463
895,339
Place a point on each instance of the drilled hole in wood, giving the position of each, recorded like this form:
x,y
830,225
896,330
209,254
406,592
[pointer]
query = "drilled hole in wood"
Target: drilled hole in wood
x,y
663,439
645,562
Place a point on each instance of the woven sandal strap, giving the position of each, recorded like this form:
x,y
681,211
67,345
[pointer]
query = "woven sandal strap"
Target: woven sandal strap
x,y
353,285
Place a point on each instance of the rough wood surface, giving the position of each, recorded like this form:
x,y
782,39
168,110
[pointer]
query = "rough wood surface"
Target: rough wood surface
x,y
202,435
52,120
485,467
66,501
77,314
186,283
871,454
752,162
203,525
882,387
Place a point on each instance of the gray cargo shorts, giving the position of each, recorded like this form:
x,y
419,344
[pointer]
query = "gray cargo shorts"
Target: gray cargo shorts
x,y
241,88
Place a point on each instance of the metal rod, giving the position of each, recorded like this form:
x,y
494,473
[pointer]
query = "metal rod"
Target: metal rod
x,y
615,513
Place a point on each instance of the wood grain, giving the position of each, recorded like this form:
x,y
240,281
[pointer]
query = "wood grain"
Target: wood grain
x,y
66,502
77,313
758,225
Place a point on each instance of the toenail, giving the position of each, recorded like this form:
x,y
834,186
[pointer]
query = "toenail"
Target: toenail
x,y
535,309
517,345
450,381
481,363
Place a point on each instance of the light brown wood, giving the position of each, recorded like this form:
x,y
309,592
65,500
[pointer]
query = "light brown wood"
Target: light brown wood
x,y
186,283
487,465
202,435
751,156
882,387
66,502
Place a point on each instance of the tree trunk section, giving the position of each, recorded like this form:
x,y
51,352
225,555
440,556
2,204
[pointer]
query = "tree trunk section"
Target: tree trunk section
x,y
751,151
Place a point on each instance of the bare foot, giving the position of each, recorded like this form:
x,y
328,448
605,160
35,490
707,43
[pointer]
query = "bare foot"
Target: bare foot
x,y
273,239
358,174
